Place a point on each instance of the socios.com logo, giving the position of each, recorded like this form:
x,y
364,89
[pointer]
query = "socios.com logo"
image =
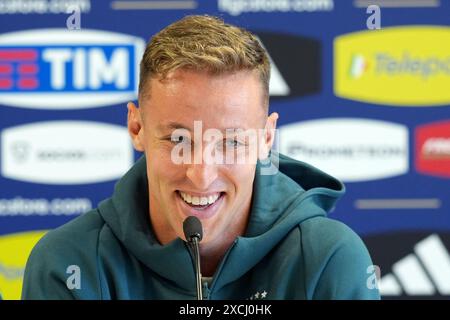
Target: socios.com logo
x,y
351,149
58,69
400,66
65,152
432,154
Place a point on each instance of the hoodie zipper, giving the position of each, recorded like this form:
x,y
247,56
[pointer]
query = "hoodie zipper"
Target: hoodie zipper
x,y
205,290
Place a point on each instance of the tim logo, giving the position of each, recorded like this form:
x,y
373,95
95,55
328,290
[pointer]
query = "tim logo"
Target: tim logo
x,y
433,149
56,69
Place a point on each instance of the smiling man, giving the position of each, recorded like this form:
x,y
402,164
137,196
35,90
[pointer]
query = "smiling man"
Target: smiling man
x,y
218,193
206,134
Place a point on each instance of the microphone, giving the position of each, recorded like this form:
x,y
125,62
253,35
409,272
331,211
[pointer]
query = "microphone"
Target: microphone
x,y
193,232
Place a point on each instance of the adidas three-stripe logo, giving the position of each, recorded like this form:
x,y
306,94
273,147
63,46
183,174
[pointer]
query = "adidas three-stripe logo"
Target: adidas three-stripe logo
x,y
424,272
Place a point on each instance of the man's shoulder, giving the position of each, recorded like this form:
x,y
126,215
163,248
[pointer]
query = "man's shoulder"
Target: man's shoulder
x,y
327,231
80,234
62,252
323,238
337,263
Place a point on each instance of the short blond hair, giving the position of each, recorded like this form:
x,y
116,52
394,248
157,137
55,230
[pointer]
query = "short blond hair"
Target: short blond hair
x,y
203,43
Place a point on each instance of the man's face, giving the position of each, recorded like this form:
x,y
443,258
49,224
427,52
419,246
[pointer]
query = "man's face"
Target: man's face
x,y
219,194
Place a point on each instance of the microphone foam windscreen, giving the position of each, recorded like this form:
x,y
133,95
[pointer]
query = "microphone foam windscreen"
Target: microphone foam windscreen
x,y
192,227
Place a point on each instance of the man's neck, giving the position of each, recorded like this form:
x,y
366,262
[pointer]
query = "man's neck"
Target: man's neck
x,y
211,257
212,253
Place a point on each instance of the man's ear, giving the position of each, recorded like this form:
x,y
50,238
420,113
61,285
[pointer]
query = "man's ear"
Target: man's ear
x,y
135,126
269,135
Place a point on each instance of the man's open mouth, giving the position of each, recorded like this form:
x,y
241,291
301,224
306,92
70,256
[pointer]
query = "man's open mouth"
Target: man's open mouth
x,y
200,202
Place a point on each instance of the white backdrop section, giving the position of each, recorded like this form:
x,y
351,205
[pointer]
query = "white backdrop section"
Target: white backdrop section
x,y
66,152
351,149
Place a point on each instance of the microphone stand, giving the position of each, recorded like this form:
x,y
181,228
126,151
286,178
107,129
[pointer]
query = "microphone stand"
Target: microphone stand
x,y
193,233
194,245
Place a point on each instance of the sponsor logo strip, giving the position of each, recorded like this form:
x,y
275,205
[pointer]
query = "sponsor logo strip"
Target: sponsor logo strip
x,y
379,150
64,152
68,70
437,263
399,66
14,252
20,206
419,264
432,149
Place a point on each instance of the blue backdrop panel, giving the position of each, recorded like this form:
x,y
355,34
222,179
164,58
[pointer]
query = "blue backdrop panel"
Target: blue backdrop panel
x,y
63,92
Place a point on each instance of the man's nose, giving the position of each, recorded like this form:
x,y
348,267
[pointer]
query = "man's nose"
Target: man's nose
x,y
202,175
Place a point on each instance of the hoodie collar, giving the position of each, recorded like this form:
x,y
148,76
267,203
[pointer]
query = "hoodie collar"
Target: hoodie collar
x,y
280,202
127,214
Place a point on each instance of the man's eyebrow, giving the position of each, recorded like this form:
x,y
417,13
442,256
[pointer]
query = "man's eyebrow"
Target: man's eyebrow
x,y
172,126
237,129
176,125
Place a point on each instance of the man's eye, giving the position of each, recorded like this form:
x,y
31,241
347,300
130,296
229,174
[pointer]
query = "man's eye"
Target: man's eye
x,y
232,143
179,139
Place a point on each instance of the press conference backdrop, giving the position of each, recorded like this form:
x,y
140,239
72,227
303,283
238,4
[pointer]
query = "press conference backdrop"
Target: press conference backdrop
x,y
370,106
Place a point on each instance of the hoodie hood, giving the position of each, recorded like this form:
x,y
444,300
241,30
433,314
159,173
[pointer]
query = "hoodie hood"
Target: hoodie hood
x,y
281,202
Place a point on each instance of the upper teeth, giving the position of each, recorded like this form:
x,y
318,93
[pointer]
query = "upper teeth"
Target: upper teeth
x,y
199,200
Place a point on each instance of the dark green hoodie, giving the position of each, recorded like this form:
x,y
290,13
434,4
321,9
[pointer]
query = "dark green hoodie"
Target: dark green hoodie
x,y
290,250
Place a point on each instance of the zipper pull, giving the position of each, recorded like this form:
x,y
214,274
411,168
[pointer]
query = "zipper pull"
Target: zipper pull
x,y
205,290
